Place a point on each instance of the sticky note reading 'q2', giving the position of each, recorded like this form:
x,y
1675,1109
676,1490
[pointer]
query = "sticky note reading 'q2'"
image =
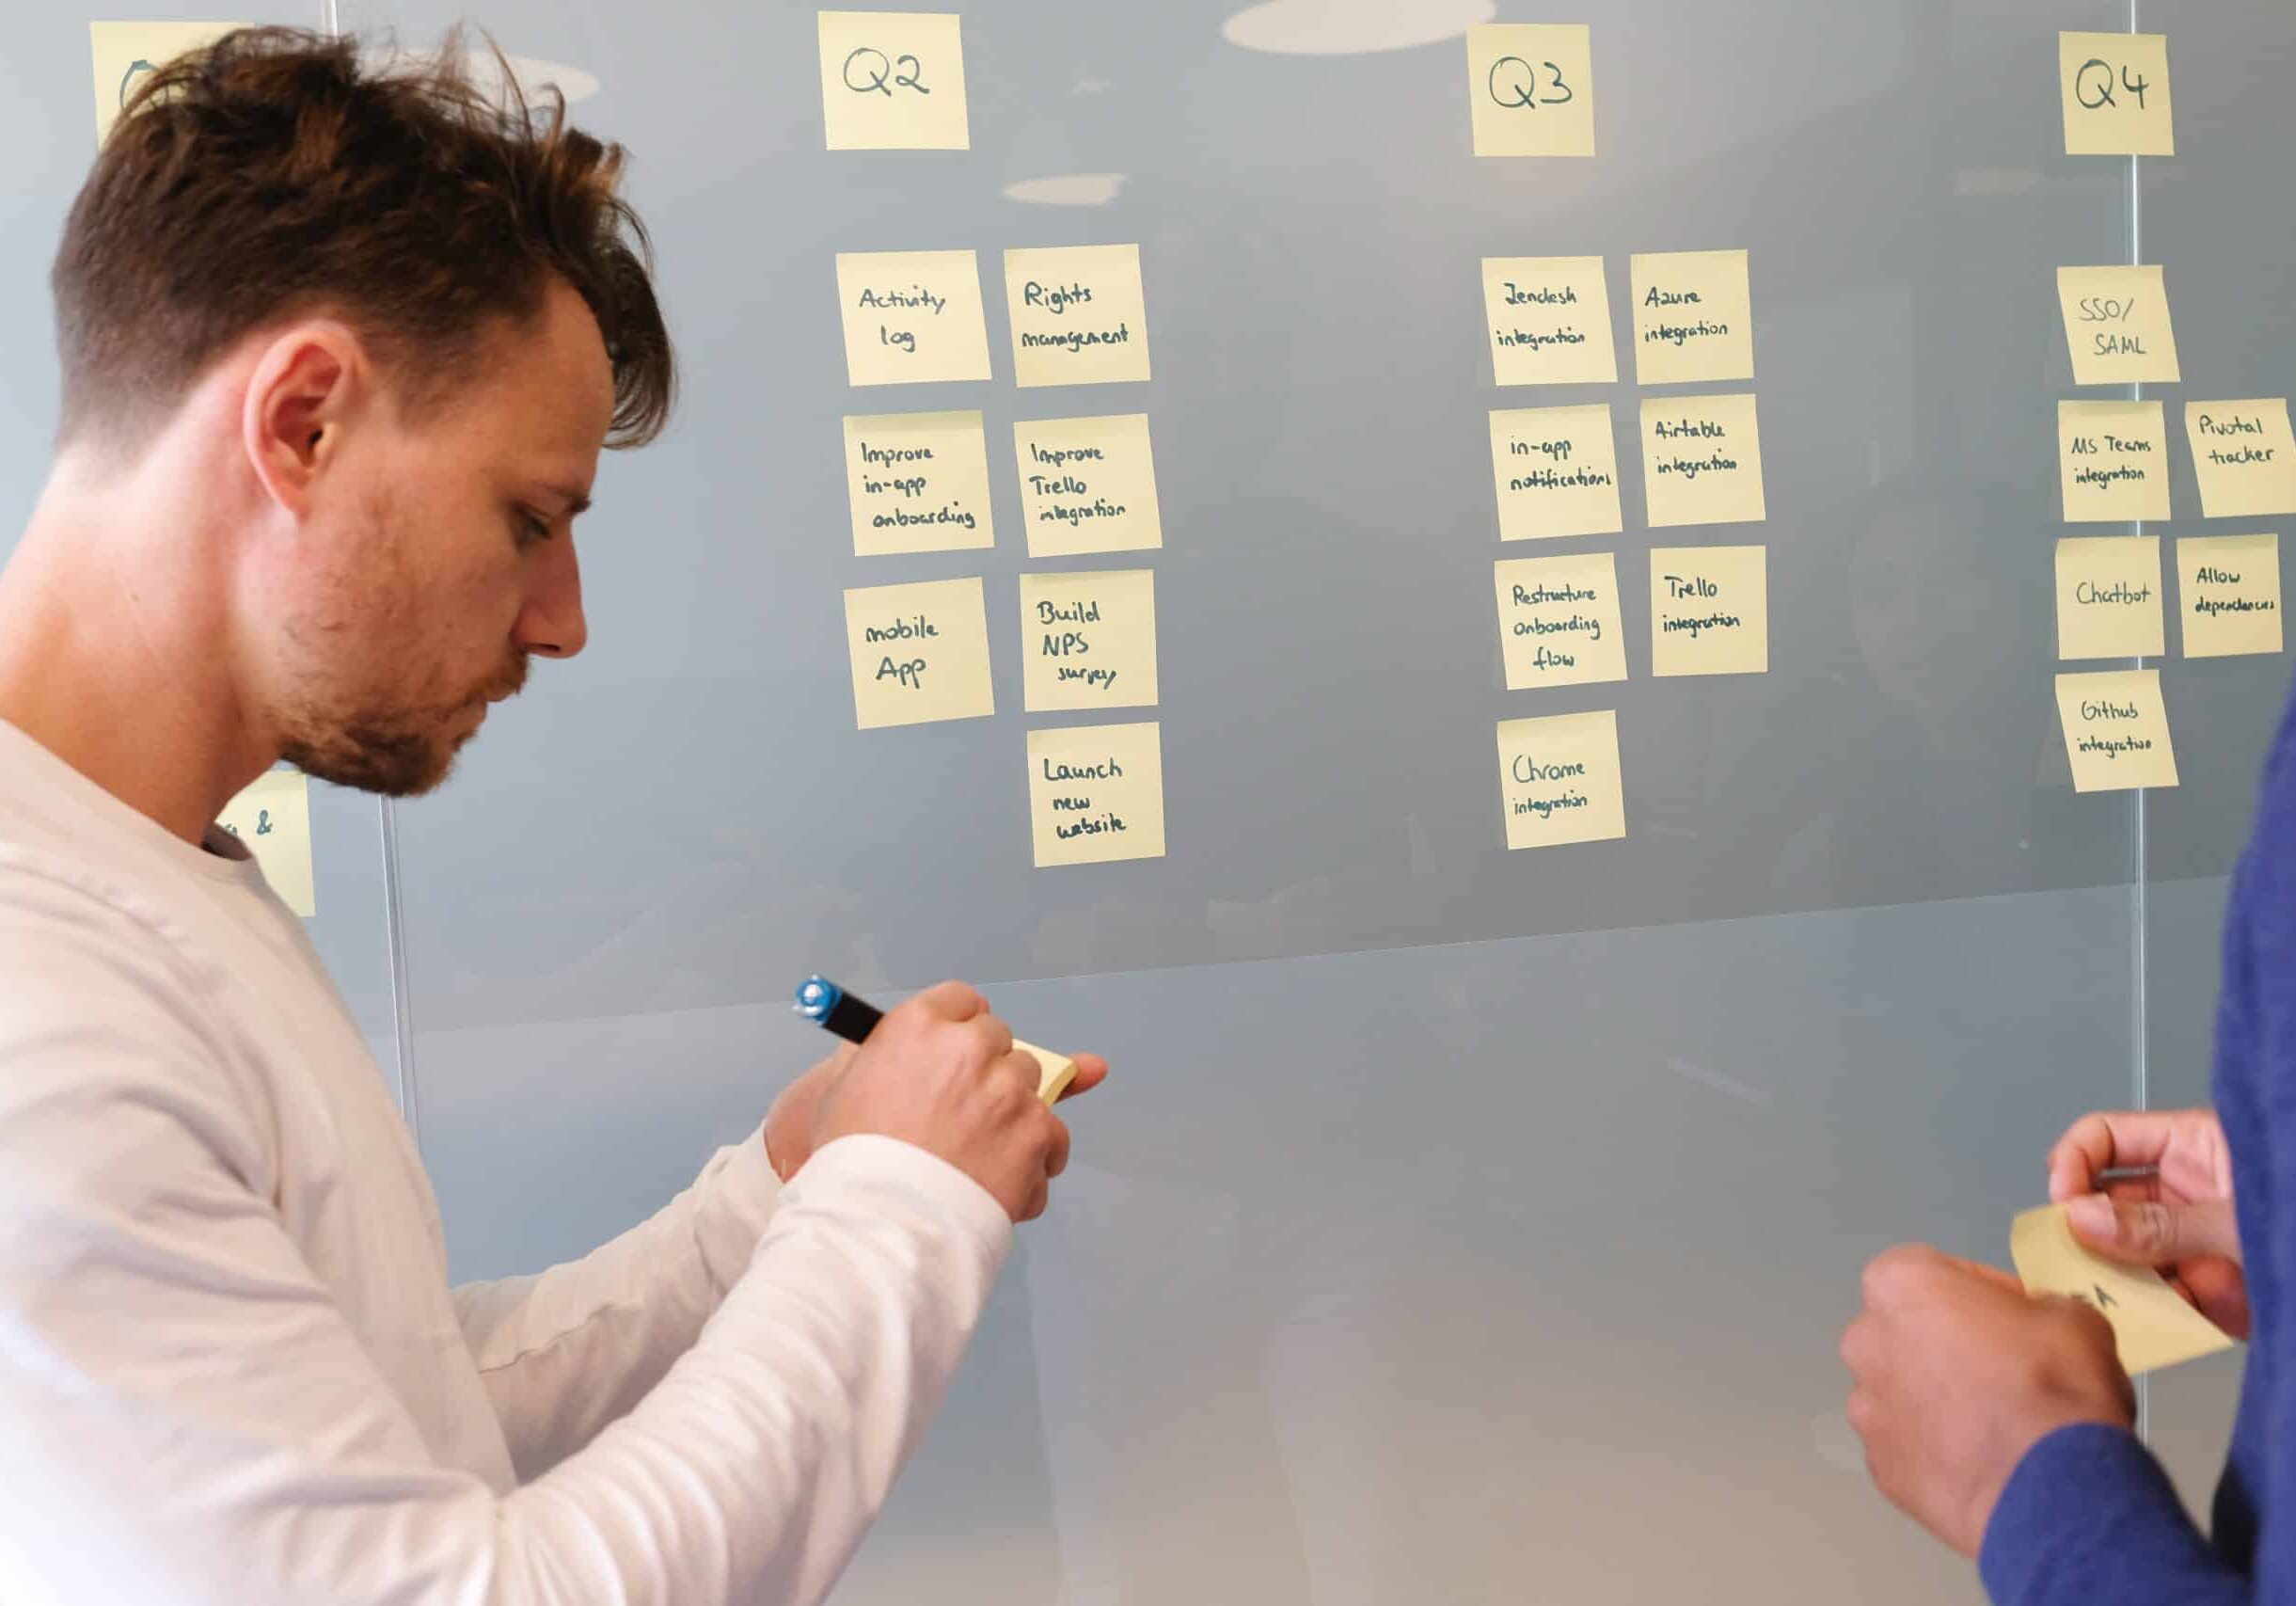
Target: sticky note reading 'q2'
x,y
125,54
1531,88
274,819
1087,485
2116,730
2152,1324
893,81
2116,92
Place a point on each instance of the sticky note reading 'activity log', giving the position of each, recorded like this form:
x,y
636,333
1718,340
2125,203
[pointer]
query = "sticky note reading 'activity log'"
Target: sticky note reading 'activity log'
x,y
1088,640
1693,317
2243,456
1096,793
1549,319
2114,87
274,819
893,81
1556,470
2228,594
125,54
2153,1326
1558,621
1087,485
2109,598
911,317
1530,89
1709,611
2113,461
920,653
2116,730
917,482
1078,316
1702,460
2116,324
1559,780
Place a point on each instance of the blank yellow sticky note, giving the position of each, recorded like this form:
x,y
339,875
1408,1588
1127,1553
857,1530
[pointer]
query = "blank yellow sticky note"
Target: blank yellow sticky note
x,y
2116,730
1531,88
1088,640
2109,598
1709,611
1087,485
920,653
1096,793
274,819
125,54
911,317
1549,319
2115,93
2113,461
1078,316
917,482
1559,780
1556,470
1057,1071
1559,620
2153,1326
2228,594
893,81
2243,456
1693,316
1702,460
2116,324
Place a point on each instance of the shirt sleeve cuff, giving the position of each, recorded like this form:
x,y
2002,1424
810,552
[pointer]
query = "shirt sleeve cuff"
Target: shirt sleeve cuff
x,y
2085,1500
939,1187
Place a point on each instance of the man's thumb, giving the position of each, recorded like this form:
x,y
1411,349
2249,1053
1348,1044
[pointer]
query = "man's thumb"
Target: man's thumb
x,y
2149,1232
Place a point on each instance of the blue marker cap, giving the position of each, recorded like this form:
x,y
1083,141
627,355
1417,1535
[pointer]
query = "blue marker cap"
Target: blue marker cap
x,y
816,997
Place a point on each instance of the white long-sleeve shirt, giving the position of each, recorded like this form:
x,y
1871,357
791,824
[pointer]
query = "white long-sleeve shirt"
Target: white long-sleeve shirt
x,y
231,1368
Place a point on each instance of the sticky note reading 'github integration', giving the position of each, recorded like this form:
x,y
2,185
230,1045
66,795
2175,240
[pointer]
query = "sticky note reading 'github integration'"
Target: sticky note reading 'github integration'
x,y
2109,596
893,81
2116,324
2114,87
917,482
2228,594
1549,319
2116,730
1559,620
1096,793
911,317
1087,485
274,819
1559,780
1709,611
1702,460
1556,470
1693,317
2153,1325
920,653
1078,316
1088,640
2113,461
125,54
1530,89
2243,456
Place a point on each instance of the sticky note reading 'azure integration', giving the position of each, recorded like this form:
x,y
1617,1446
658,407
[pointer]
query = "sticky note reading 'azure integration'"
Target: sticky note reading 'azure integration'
x,y
1558,621
2116,730
1088,640
2114,87
893,81
2228,594
2109,596
911,317
1549,319
1078,316
1556,470
1087,485
917,482
920,653
1530,89
1559,780
1693,317
1702,460
125,54
1709,611
2116,324
1096,793
2243,456
274,819
2113,461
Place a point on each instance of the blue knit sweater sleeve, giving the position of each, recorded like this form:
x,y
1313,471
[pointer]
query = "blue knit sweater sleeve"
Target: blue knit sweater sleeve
x,y
2089,1518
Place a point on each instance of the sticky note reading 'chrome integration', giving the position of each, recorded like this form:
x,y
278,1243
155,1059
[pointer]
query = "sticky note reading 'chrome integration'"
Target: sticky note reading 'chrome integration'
x,y
893,81
911,317
1702,460
1559,620
2116,324
1556,470
2116,730
1693,317
2113,461
2109,598
1549,319
917,482
1096,793
1087,485
1088,640
2114,87
1530,89
1709,611
920,653
274,819
2243,456
1559,780
1078,316
2153,1326
126,54
2228,594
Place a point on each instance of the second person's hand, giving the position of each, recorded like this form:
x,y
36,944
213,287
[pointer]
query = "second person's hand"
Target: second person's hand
x,y
2180,1222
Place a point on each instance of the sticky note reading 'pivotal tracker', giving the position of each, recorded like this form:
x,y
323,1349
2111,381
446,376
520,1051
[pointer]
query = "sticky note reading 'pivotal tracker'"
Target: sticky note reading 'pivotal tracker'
x,y
1559,620
2243,456
1531,88
1559,780
1709,611
274,819
1693,316
917,482
2109,598
2116,92
1087,485
1558,471
1079,316
2228,593
2116,730
893,81
2153,1326
2113,461
920,653
1096,793
1702,460
2116,324
1549,319
125,54
1088,640
911,317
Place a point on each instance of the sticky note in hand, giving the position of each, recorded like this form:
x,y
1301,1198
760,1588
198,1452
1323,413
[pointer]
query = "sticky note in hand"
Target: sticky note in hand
x,y
1059,1070
2152,1325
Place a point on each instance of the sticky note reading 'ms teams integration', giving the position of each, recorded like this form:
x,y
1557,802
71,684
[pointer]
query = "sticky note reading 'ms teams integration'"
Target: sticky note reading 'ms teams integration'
x,y
1709,611
920,653
1088,640
1549,319
125,54
2116,324
2113,461
2243,456
893,81
2116,92
2153,1326
1693,316
1556,470
1702,460
1096,793
911,317
2228,594
1087,485
2116,730
917,482
1078,316
1559,620
274,819
1531,88
2109,596
1559,780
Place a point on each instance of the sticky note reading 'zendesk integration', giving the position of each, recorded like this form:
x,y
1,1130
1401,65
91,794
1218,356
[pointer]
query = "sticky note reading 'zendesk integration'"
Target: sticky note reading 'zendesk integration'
x,y
2116,730
1559,780
1531,88
917,482
1558,471
1693,316
1702,460
893,81
274,819
1549,319
2153,1326
2113,461
1096,793
1709,611
1559,620
1078,316
2116,92
125,54
920,653
2243,456
1088,640
911,317
2116,324
2228,593
1087,485
2109,598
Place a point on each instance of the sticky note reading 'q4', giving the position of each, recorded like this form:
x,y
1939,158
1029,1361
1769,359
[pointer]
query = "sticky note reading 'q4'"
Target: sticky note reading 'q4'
x,y
2152,1325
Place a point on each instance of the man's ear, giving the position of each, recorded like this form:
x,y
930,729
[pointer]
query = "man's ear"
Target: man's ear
x,y
308,384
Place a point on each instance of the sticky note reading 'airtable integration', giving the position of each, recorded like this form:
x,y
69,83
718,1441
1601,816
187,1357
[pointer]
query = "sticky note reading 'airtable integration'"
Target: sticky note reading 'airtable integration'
x,y
2113,461
917,482
1087,485
2109,598
125,54
2114,87
2243,456
1078,316
1088,640
1549,319
1693,317
1558,471
2228,594
893,81
1531,88
1559,620
274,819
2153,1326
911,317
2116,324
1709,611
1559,780
920,653
1702,460
2116,730
1096,793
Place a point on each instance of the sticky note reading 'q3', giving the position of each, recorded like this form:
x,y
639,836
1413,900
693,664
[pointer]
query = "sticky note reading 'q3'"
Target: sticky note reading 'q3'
x,y
893,81
2153,1326
2116,730
274,819
1531,88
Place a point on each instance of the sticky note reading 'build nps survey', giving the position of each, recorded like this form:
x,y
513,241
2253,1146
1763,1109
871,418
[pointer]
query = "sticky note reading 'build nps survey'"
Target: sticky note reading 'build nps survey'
x,y
2113,461
2116,92
125,54
1693,316
2243,456
2153,1326
274,819
2116,324
920,653
1549,319
2228,593
1088,640
1558,471
2109,598
1531,88
917,482
1559,620
1078,316
1709,611
893,81
1096,793
1559,780
1702,460
1087,485
2116,730
911,317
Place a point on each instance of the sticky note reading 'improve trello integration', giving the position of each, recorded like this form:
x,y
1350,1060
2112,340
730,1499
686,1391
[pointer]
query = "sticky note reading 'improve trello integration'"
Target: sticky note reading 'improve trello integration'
x,y
2153,1326
1087,485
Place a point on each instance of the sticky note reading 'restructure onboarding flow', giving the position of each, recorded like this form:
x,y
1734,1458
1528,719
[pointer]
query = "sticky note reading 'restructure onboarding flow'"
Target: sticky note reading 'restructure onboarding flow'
x,y
1556,470
1096,793
1702,460
1559,780
1087,485
2113,461
920,653
274,819
2116,324
2243,456
911,317
1078,316
2153,1326
1088,640
1693,317
2116,730
1549,319
917,482
1559,620
125,54
893,81
1530,89
2109,596
2116,92
2228,594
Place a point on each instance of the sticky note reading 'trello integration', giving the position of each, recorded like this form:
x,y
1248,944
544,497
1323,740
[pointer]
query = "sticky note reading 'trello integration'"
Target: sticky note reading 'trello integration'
x,y
1087,485
2114,87
893,81
1549,319
2116,730
2116,324
1556,470
1559,780
1709,611
1702,460
1078,316
274,819
1088,640
1559,620
920,653
917,482
1693,316
911,317
2228,594
2243,456
1096,793
2153,1326
2113,461
2109,598
1531,88
125,54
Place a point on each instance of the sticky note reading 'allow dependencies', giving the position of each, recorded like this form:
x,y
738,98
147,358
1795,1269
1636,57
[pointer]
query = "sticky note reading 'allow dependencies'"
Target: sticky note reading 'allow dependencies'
x,y
1556,470
2243,456
2113,461
917,482
2116,324
274,819
1559,780
2229,592
1693,317
1531,88
893,81
2109,596
1702,460
1709,611
2116,92
1087,485
1078,316
920,653
125,54
1549,319
1559,620
1088,640
2153,1326
1096,793
911,317
2116,730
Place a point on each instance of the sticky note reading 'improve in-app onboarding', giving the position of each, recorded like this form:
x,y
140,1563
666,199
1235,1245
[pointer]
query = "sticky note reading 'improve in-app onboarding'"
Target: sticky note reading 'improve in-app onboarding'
x,y
920,653
274,819
893,81
1559,780
2228,594
1556,470
2116,324
1078,316
917,482
1549,319
911,317
1096,793
2116,730
2153,1326
1087,485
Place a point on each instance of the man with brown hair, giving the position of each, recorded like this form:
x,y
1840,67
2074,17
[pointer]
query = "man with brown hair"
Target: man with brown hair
x,y
339,351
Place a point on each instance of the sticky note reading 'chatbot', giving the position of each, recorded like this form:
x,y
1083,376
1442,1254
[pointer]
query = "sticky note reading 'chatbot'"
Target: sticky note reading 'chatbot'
x,y
2109,596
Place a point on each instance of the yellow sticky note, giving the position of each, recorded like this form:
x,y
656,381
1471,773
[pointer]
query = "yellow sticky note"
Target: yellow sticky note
x,y
125,54
2109,598
920,653
274,819
2116,92
1556,470
917,482
893,81
2116,324
2153,1326
2113,461
1531,88
2243,456
911,317
1709,611
2116,730
1087,485
1694,316
2228,593
1549,319
1096,793
1057,1071
1559,620
1088,640
1559,780
1702,460
1078,316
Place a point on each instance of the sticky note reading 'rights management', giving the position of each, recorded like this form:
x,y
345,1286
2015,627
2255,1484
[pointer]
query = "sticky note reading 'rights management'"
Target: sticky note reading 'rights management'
x,y
2109,598
920,653
2228,594
2116,92
1088,640
2116,730
125,54
1078,316
1556,470
911,317
1702,460
1559,620
1096,793
1549,319
1709,611
1693,317
1087,485
1530,89
274,819
917,482
2153,1326
2113,461
1559,780
893,81
2243,456
2116,324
